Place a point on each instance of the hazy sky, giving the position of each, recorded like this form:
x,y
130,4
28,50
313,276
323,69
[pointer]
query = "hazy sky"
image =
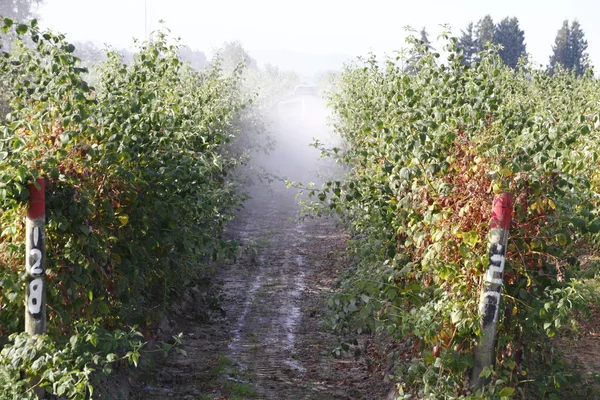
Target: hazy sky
x,y
313,26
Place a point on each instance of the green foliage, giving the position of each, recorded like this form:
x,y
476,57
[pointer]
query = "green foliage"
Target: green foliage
x,y
242,389
67,370
137,172
427,151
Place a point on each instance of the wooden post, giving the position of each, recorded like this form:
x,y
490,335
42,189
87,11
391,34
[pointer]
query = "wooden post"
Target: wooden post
x,y
35,310
489,302
35,258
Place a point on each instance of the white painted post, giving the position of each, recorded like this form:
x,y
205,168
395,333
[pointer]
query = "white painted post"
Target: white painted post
x,y
35,258
489,303
35,313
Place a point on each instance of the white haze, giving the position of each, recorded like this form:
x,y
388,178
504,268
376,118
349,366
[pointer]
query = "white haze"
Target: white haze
x,y
312,28
296,123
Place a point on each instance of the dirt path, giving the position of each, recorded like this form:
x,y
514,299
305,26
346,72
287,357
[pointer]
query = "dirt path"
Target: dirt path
x,y
270,342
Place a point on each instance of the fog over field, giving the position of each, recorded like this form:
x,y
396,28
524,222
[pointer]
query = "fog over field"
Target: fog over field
x,y
320,200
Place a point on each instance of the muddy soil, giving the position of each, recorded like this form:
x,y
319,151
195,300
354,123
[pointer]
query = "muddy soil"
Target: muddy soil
x,y
269,342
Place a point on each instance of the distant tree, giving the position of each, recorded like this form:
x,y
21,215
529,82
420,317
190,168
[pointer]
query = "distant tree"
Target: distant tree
x,y
271,84
327,80
196,58
560,50
232,54
88,53
89,57
578,46
416,54
425,38
508,34
126,56
569,49
18,9
485,31
469,45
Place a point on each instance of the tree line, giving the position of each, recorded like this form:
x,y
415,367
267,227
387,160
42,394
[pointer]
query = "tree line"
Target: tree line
x,y
568,51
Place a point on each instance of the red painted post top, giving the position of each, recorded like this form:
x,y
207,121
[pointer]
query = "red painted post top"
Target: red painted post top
x,y
37,199
502,211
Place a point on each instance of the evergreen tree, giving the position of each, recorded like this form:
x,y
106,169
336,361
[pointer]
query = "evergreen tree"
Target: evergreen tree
x,y
233,54
485,31
469,45
560,50
508,34
578,46
196,58
569,49
425,38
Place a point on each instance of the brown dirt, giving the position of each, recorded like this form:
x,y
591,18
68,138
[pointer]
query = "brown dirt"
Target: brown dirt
x,y
270,343
582,351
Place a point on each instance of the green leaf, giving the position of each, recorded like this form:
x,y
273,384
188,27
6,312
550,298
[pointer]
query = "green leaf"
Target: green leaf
x,y
505,392
124,219
486,372
22,29
470,238
523,294
594,226
103,308
578,222
456,316
135,357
